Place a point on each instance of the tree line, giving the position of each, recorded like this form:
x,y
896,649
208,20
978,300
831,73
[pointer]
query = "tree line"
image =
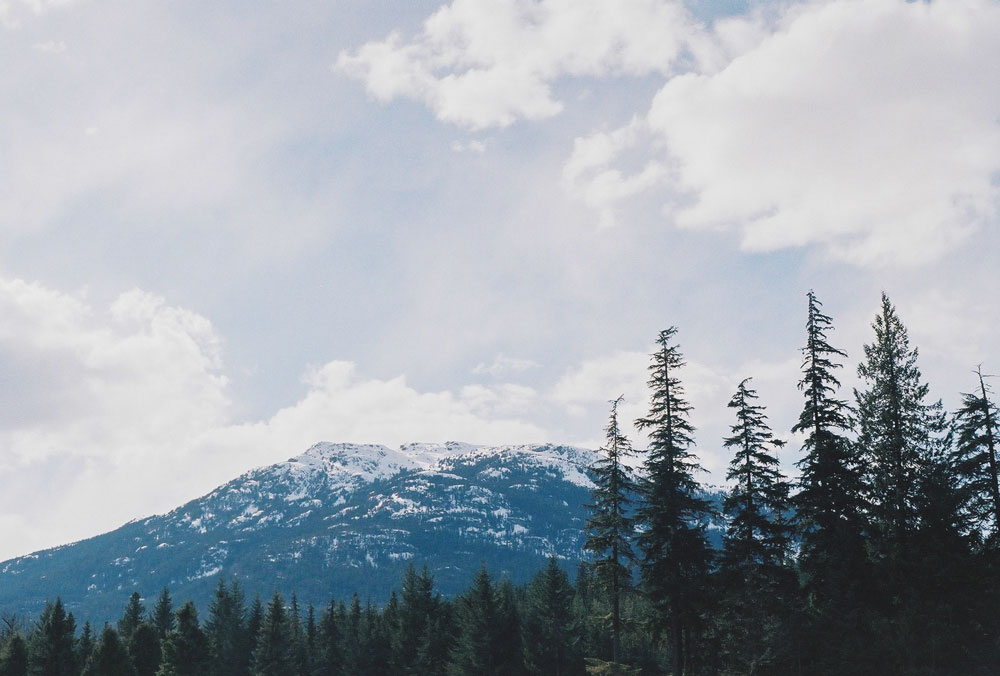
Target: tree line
x,y
881,557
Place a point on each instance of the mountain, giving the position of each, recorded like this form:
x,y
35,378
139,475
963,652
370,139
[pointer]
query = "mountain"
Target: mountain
x,y
338,519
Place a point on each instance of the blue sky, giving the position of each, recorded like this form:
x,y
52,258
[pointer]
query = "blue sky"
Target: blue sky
x,y
234,230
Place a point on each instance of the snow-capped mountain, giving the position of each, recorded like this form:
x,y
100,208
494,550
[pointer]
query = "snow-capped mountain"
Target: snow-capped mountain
x,y
338,519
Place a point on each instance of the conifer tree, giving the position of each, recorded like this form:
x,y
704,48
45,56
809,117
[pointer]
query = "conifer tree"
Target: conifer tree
x,y
144,649
978,427
273,655
610,528
416,623
131,617
329,648
14,656
482,647
674,548
51,647
552,638
299,657
755,570
898,430
828,504
228,640
109,657
84,644
163,614
185,650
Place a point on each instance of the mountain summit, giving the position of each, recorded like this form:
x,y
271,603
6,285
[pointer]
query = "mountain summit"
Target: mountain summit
x,y
335,520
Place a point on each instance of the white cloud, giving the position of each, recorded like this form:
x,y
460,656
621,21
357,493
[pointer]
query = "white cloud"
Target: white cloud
x,y
487,64
869,128
50,47
503,365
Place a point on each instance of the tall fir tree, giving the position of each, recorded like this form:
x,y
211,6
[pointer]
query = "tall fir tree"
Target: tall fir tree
x,y
273,655
163,614
482,646
610,528
131,617
675,554
85,643
51,647
978,428
185,650
228,639
756,574
552,638
899,431
828,505
329,643
14,656
109,657
144,649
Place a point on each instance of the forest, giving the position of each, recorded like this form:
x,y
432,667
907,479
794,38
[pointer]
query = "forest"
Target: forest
x,y
881,556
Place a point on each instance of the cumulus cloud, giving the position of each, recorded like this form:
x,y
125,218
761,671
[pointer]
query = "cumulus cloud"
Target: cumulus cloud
x,y
487,64
869,128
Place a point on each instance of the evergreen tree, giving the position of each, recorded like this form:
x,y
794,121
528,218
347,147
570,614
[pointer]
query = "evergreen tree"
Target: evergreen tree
x,y
51,647
14,657
416,625
145,650
675,551
109,657
163,614
329,648
131,617
299,657
310,640
610,529
828,504
228,640
185,650
273,655
84,644
978,428
484,646
898,430
552,638
755,570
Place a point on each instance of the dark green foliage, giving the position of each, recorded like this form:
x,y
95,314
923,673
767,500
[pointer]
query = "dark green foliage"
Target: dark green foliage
x,y
185,650
51,647
552,638
329,656
420,642
756,578
14,656
163,614
144,649
84,644
978,428
273,655
610,528
487,643
898,431
675,551
228,638
131,617
109,657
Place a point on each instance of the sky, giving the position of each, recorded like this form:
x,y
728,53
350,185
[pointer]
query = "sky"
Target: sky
x,y
232,230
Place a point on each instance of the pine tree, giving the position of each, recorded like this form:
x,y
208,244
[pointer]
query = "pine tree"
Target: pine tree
x,y
131,617
185,650
828,504
109,657
229,643
552,638
755,569
14,657
299,657
978,427
163,614
898,429
610,528
144,649
675,551
329,649
84,644
51,647
482,647
273,655
416,623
